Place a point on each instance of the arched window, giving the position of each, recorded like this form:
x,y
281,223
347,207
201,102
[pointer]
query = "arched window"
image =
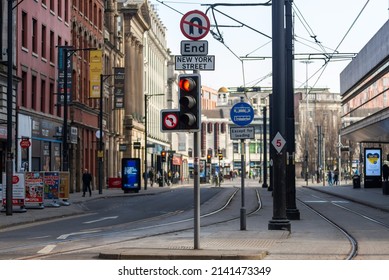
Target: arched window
x,y
209,128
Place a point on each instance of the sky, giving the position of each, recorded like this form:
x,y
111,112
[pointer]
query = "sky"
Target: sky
x,y
244,57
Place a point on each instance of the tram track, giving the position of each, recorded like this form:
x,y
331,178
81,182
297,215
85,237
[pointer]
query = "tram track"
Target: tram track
x,y
351,233
210,218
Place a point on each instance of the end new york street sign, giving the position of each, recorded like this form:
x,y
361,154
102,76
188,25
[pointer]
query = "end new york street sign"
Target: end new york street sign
x,y
195,62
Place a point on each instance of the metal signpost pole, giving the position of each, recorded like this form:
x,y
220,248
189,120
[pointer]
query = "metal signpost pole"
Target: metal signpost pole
x,y
243,168
8,204
196,184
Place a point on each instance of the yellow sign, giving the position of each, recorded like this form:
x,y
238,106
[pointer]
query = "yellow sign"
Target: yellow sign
x,y
95,70
100,154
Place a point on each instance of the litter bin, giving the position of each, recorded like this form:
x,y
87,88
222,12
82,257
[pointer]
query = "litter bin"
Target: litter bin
x,y
385,187
356,181
160,182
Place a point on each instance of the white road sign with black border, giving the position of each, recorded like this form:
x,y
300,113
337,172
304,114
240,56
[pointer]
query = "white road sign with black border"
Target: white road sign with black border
x,y
246,132
195,62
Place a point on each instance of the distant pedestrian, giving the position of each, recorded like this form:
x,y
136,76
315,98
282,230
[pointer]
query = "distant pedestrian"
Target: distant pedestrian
x,y
86,182
385,172
336,177
329,177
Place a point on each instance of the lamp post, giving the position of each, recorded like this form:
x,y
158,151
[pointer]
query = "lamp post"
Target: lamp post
x,y
306,62
146,101
101,152
68,51
8,204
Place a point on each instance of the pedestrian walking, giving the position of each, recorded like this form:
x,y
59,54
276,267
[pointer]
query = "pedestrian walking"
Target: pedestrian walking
x,y
336,177
385,172
86,182
329,177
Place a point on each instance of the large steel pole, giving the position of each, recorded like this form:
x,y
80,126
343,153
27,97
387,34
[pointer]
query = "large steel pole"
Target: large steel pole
x,y
65,148
279,220
8,204
101,153
196,183
264,184
291,210
145,144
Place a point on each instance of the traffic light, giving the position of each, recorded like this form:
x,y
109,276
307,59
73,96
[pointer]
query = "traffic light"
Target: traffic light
x,y
220,156
209,158
163,156
190,102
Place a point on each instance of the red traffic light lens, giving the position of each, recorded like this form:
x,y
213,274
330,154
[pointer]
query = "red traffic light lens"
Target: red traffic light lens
x,y
187,84
163,153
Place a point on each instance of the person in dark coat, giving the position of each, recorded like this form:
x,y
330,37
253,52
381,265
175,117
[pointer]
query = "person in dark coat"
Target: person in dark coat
x,y
385,172
86,182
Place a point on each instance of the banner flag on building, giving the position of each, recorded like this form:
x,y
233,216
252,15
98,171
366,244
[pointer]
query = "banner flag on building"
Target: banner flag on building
x,y
61,76
95,70
119,80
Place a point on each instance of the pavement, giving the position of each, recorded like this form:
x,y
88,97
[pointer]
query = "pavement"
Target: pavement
x,y
309,238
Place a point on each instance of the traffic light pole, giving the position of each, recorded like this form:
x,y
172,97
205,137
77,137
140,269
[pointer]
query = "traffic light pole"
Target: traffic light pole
x,y
196,183
243,168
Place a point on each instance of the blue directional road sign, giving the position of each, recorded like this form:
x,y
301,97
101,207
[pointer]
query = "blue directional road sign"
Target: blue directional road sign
x,y
242,114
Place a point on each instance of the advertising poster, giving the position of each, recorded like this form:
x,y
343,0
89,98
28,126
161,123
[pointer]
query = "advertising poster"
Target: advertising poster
x,y
51,185
202,170
34,187
373,162
131,177
64,185
18,192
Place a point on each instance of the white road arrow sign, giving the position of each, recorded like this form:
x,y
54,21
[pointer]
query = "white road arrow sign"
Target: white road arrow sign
x,y
278,142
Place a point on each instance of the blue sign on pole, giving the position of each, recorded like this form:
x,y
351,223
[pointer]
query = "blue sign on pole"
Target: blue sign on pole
x,y
242,114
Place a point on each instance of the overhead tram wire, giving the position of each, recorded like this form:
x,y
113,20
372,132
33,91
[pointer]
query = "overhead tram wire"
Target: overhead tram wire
x,y
341,41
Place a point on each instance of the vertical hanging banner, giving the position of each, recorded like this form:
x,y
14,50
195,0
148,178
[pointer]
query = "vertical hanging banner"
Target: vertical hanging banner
x,y
95,70
61,75
119,87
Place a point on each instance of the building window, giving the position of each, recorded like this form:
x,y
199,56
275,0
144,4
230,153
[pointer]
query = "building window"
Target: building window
x,y
33,92
51,99
59,8
43,96
52,5
24,90
52,46
66,10
34,36
209,128
43,42
24,30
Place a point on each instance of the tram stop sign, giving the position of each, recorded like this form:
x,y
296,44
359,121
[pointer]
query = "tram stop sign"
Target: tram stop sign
x,y
242,114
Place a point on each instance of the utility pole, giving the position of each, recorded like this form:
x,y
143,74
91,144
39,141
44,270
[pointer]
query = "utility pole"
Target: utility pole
x,y
8,204
291,209
279,220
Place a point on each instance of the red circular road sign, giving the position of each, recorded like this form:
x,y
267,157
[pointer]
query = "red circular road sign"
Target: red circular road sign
x,y
25,143
195,25
170,121
15,179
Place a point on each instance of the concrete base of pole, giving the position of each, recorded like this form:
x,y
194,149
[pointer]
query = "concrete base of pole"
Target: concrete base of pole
x,y
279,225
293,214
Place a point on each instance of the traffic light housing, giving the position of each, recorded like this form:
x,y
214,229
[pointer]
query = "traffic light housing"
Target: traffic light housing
x,y
209,158
190,102
163,156
220,156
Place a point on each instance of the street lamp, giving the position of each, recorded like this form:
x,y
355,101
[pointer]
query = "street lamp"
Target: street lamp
x,y
146,101
68,52
306,62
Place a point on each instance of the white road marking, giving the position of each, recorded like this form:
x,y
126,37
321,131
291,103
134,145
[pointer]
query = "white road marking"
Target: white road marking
x,y
64,236
101,219
47,249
